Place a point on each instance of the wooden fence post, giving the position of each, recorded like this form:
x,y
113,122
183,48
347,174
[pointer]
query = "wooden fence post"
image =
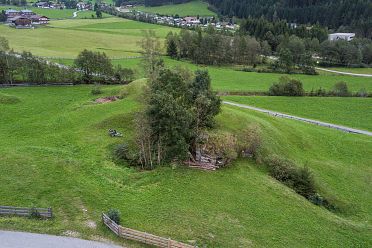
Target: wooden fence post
x,y
169,243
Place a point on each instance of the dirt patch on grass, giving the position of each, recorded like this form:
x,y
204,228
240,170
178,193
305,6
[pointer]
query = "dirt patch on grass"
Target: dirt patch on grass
x,y
106,99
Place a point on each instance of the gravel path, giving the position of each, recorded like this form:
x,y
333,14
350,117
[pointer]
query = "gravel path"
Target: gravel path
x,y
315,122
344,73
9,239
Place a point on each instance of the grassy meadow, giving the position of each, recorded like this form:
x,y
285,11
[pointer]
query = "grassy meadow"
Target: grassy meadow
x,y
56,152
56,13
193,8
350,111
117,37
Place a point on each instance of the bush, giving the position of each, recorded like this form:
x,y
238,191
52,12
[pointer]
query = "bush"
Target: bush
x,y
97,89
221,145
250,141
362,93
340,89
114,215
34,214
287,87
299,179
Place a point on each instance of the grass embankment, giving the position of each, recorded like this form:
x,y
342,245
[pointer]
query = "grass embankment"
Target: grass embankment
x,y
349,111
56,13
56,152
193,8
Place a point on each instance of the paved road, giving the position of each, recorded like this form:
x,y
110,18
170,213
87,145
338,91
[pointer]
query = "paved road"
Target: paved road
x,y
344,73
315,122
10,239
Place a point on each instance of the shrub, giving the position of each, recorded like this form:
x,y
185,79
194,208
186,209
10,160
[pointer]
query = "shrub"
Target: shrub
x,y
34,214
221,145
362,93
96,90
299,179
114,215
287,87
250,141
340,89
123,153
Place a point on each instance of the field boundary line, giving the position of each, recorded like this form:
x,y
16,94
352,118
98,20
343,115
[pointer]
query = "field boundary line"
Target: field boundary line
x,y
345,73
292,117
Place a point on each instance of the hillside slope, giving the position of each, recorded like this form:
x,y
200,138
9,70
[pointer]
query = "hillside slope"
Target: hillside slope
x,y
55,152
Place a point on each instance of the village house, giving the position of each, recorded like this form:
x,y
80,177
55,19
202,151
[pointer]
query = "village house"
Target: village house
x,y
20,22
25,18
11,13
341,36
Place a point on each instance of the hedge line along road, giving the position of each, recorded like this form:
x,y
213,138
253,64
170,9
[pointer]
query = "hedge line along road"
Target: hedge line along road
x,y
9,239
292,117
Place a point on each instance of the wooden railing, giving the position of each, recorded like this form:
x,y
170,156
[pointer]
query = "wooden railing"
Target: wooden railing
x,y
43,212
142,237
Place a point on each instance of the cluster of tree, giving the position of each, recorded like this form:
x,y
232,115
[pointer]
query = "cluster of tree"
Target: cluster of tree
x,y
27,68
353,15
287,87
344,53
96,67
3,16
70,4
295,54
98,10
212,48
273,31
292,87
90,67
179,105
14,2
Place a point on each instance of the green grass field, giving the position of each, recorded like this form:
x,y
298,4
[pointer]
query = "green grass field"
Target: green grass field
x,y
193,8
352,112
56,13
56,152
226,79
117,37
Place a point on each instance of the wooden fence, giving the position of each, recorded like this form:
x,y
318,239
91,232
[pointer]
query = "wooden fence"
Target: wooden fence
x,y
43,212
142,237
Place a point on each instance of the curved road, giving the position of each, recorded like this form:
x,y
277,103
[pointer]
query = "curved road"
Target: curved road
x,y
9,239
315,122
344,73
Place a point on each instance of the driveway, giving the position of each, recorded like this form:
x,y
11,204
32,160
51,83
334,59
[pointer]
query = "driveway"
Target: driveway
x,y
9,239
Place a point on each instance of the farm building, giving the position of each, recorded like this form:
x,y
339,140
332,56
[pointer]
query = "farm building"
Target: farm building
x,y
20,22
341,36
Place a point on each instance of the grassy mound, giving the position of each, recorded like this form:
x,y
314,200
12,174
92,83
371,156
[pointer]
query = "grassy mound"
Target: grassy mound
x,y
67,152
8,99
